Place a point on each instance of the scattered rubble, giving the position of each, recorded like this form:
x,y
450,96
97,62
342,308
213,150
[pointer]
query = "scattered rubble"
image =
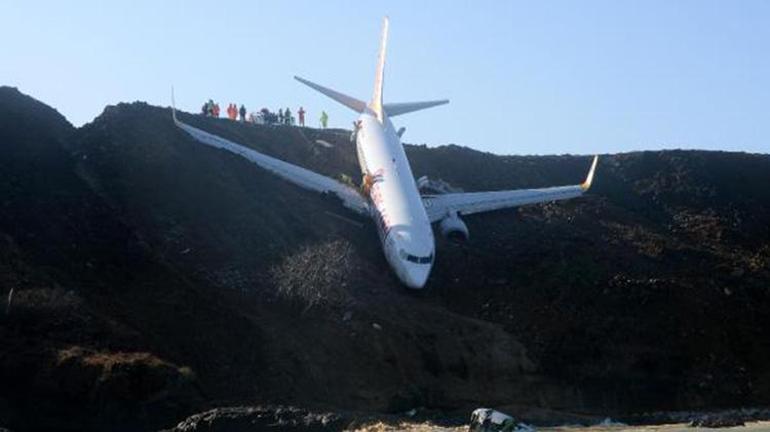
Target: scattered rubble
x,y
261,418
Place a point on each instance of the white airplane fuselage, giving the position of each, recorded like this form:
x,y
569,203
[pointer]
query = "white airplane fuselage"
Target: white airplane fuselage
x,y
390,195
396,206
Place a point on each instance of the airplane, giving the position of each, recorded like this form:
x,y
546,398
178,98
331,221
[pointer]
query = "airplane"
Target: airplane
x,y
389,194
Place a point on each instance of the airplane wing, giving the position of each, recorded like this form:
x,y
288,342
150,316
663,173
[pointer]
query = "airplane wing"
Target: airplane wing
x,y
299,176
439,206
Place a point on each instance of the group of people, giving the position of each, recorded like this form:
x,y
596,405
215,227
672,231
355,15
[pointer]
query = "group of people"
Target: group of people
x,y
233,112
264,116
210,109
286,118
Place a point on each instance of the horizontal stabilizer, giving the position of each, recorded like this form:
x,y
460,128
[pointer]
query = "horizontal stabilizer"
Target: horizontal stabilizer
x,y
394,109
350,102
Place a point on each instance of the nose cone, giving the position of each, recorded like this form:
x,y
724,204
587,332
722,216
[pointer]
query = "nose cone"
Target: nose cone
x,y
415,275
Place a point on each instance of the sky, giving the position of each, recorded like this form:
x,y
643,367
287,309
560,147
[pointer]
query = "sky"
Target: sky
x,y
523,77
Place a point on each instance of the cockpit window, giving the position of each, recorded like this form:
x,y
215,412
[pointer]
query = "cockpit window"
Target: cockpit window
x,y
415,259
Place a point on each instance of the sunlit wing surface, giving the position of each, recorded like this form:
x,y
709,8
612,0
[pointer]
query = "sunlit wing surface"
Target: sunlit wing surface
x,y
349,101
301,177
395,109
439,206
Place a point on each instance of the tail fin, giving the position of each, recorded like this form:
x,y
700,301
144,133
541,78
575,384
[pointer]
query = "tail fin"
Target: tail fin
x,y
350,102
379,78
376,106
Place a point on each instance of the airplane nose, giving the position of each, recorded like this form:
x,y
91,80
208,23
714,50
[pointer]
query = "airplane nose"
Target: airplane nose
x,y
415,276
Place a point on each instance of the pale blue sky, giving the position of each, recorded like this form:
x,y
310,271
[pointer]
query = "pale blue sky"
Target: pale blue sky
x,y
523,77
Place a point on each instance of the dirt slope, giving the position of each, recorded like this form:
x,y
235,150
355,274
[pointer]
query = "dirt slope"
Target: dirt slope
x,y
154,277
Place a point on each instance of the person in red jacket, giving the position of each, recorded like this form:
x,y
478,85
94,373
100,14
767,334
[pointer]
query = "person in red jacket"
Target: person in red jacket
x,y
216,110
301,114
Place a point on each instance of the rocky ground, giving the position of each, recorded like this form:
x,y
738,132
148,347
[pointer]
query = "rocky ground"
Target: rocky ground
x,y
266,417
678,427
147,277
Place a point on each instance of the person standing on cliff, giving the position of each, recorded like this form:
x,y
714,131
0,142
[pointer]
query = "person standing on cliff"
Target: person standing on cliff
x,y
324,119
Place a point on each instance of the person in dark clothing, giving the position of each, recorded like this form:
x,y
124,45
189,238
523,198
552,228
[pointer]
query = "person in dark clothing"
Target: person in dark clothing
x,y
266,116
287,117
280,116
242,112
205,109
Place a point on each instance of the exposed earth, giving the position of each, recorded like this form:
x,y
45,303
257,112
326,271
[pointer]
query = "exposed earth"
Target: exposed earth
x,y
145,277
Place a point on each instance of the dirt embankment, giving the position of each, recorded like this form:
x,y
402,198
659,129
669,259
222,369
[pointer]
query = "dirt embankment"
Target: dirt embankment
x,y
154,277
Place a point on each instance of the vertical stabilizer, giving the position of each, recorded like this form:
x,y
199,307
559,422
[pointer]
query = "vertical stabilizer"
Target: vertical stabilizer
x,y
376,104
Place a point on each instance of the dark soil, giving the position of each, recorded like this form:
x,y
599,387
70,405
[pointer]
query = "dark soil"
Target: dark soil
x,y
154,277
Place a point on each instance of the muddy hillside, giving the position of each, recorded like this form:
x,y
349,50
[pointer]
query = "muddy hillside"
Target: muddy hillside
x,y
145,277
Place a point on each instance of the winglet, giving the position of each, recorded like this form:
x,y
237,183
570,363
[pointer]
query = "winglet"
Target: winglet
x,y
173,106
590,178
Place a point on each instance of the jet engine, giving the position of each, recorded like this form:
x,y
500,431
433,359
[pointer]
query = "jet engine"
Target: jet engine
x,y
453,228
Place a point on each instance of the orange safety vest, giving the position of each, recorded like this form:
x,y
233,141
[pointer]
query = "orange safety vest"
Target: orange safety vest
x,y
366,183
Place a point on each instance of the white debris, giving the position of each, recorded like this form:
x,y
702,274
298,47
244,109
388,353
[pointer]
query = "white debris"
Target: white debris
x,y
489,420
323,143
610,422
376,326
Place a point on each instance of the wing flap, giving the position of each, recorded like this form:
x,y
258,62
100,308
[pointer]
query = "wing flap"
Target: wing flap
x,y
439,206
299,176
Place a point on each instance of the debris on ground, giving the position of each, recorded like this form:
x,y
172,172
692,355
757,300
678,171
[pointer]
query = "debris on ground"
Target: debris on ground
x,y
489,420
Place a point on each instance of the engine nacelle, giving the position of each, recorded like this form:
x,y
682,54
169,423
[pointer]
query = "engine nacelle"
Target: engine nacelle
x,y
453,228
